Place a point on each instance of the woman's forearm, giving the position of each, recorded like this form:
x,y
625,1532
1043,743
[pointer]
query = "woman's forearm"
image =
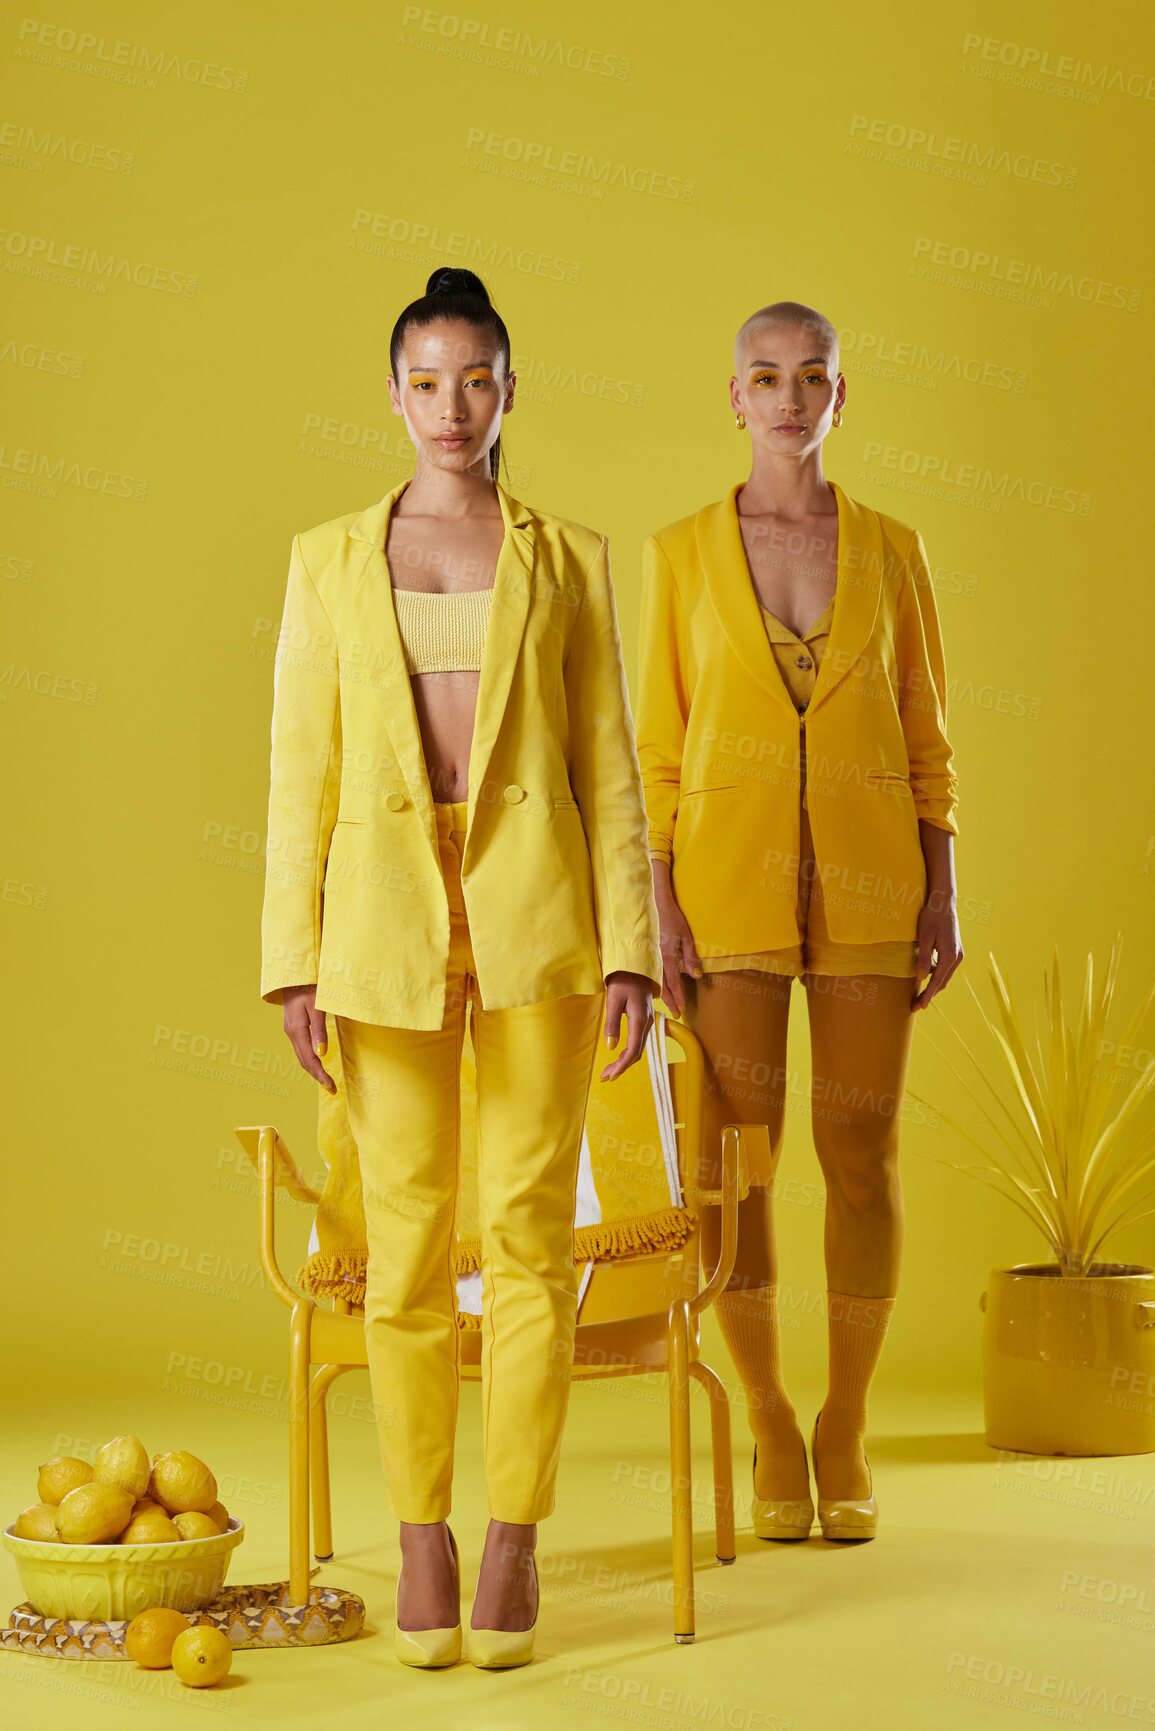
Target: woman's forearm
x,y
938,852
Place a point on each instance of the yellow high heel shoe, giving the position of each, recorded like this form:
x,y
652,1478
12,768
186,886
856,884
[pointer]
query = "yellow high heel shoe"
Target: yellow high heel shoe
x,y
493,1648
845,1517
430,1647
782,1517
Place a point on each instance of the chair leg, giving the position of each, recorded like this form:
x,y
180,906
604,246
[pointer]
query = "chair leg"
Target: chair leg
x,y
723,1459
319,1461
681,1471
300,1325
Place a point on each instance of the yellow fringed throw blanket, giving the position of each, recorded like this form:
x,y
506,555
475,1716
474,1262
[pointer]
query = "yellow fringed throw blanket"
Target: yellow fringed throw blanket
x,y
629,1200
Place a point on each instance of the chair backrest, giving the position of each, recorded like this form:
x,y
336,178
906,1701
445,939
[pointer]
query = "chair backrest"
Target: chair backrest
x,y
687,1079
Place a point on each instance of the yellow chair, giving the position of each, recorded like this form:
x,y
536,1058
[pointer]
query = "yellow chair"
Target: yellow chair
x,y
639,1314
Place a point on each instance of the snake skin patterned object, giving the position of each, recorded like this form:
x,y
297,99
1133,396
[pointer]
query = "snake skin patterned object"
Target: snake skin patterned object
x,y
251,1616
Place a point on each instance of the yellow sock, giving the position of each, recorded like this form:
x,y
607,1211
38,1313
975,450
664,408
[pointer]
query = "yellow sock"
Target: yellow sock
x,y
748,1318
856,1327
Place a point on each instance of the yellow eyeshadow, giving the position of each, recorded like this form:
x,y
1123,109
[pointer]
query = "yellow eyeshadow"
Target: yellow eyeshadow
x,y
431,378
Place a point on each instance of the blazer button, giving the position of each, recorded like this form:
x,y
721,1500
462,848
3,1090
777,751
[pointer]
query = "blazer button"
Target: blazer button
x,y
395,801
514,793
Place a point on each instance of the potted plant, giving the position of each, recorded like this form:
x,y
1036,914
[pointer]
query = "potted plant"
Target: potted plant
x,y
1068,1344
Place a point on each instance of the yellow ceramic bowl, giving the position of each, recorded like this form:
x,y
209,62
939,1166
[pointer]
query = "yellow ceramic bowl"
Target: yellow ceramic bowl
x,y
103,1583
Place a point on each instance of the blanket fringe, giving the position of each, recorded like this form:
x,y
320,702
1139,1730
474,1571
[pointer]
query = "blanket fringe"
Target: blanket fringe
x,y
341,1273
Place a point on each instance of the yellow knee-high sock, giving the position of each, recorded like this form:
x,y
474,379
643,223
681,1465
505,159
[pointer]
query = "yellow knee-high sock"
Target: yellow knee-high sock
x,y
856,1327
748,1318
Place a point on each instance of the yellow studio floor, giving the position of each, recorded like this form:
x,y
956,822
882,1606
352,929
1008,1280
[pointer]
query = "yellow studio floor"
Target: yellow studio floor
x,y
996,1589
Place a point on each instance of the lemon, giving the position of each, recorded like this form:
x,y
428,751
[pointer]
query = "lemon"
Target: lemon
x,y
193,1525
146,1506
202,1655
149,1637
124,1462
180,1481
151,1528
94,1514
59,1476
221,1516
38,1522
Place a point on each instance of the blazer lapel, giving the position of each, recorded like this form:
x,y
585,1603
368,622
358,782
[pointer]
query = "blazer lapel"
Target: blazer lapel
x,y
508,611
735,600
855,596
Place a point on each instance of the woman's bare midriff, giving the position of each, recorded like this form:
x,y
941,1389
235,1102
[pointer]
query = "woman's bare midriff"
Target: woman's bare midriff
x,y
443,555
446,705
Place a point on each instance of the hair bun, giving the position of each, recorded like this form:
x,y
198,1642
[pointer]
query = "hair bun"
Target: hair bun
x,y
452,280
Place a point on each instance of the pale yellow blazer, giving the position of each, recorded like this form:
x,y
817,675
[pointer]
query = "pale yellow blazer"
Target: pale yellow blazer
x,y
719,735
555,869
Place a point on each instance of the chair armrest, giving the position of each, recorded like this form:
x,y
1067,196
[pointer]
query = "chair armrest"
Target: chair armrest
x,y
733,1173
275,1165
287,1173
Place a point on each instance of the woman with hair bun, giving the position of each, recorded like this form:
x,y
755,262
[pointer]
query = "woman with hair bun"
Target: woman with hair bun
x,y
456,819
801,797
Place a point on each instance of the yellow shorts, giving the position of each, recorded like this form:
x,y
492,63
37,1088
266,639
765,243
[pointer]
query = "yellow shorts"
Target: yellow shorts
x,y
816,952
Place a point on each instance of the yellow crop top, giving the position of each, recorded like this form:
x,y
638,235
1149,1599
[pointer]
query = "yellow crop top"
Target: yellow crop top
x,y
442,633
798,658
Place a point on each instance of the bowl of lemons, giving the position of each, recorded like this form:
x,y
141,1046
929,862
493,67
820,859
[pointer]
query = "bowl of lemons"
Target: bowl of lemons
x,y
124,1533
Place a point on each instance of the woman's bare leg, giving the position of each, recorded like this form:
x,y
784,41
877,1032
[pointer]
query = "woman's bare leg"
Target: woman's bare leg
x,y
741,1019
860,1035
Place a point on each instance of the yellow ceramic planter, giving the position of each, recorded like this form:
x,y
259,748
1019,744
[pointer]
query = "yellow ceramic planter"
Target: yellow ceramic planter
x,y
102,1583
1069,1364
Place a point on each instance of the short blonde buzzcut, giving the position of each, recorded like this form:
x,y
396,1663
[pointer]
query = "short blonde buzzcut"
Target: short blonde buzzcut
x,y
787,313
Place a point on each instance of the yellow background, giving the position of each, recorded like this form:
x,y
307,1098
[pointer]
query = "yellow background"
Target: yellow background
x,y
201,270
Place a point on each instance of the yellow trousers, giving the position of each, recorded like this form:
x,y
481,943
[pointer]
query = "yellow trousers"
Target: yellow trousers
x,y
534,1069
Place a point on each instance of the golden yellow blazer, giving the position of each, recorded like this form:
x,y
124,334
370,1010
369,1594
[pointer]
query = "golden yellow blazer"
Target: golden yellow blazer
x,y
719,735
555,870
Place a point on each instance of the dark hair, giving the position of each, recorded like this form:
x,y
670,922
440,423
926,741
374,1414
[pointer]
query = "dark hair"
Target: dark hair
x,y
452,293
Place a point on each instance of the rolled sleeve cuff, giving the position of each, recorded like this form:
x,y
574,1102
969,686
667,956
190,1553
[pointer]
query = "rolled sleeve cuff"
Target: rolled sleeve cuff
x,y
940,812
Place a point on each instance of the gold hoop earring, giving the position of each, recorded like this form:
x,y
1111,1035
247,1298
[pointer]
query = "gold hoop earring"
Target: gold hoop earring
x,y
837,421
739,420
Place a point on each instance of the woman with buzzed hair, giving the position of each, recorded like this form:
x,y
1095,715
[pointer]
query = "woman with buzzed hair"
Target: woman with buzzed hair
x,y
801,797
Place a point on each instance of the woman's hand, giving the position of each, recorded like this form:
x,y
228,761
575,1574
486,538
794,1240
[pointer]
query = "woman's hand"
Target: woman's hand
x,y
938,931
305,1026
679,954
631,995
938,936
